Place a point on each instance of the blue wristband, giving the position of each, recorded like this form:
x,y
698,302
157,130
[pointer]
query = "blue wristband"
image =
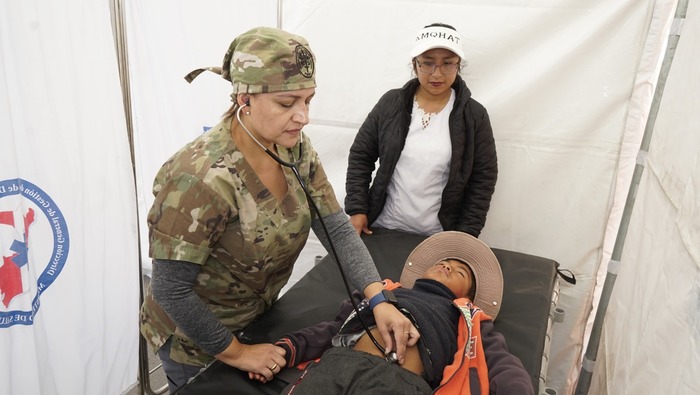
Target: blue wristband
x,y
384,296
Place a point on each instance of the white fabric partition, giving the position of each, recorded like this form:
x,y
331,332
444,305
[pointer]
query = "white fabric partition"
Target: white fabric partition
x,y
68,277
652,327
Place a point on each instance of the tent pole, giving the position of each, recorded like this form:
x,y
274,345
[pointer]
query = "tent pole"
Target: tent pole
x,y
279,14
120,42
590,356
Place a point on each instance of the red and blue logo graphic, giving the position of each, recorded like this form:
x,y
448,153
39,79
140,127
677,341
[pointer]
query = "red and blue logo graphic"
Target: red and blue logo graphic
x,y
27,270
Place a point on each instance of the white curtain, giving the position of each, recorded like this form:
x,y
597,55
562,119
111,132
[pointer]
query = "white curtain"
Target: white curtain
x,y
69,269
651,337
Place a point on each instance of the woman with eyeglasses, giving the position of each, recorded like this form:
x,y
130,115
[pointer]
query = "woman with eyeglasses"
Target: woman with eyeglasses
x,y
437,156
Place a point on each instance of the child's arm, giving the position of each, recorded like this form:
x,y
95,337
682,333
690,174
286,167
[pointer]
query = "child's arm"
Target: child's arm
x,y
309,343
506,372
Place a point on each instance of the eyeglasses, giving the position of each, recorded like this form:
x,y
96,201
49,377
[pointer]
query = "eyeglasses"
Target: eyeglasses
x,y
430,67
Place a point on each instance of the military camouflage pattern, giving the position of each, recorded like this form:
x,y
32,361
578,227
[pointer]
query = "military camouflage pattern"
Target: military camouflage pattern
x,y
210,208
265,59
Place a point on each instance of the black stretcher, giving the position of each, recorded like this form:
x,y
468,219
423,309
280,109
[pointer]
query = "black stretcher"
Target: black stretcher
x,y
525,320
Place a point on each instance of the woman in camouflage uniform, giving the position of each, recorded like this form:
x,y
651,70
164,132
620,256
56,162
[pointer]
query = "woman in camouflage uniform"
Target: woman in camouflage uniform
x,y
228,221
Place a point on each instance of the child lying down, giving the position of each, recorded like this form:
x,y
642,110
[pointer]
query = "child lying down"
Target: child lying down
x,y
451,289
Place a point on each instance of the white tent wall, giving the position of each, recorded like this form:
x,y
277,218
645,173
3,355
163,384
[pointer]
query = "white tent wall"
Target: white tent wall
x,y
638,113
567,85
72,328
651,335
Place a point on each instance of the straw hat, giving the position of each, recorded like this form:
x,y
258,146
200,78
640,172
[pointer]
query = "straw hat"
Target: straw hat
x,y
466,248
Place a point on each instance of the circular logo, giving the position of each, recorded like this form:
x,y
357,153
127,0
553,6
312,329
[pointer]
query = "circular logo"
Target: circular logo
x,y
34,249
305,61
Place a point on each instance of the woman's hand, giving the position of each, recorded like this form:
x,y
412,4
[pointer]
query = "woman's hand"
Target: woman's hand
x,y
359,222
396,330
261,361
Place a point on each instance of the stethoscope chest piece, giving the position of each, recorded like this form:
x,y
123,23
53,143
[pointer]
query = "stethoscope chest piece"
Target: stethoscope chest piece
x,y
392,357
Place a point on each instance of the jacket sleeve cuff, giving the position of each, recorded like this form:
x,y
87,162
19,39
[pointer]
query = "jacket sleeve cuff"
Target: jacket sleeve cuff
x,y
290,351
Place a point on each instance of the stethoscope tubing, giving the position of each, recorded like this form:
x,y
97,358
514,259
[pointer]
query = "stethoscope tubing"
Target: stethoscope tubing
x,y
294,166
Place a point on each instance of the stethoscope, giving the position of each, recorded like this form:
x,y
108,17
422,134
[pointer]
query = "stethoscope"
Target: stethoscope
x,y
294,166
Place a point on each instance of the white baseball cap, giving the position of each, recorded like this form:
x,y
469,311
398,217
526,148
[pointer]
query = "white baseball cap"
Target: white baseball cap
x,y
437,37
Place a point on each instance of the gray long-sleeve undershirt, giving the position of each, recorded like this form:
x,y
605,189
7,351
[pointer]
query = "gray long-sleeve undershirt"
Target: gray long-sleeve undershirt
x,y
354,256
173,289
173,283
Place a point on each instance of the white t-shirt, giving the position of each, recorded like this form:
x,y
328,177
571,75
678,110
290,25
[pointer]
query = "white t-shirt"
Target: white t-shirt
x,y
414,194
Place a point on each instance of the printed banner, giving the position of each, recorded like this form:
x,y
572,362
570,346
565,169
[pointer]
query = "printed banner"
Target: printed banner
x,y
69,279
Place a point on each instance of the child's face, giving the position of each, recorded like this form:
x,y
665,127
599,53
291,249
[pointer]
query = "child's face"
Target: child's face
x,y
452,273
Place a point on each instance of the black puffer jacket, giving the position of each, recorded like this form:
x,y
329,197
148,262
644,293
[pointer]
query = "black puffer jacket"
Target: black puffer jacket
x,y
473,167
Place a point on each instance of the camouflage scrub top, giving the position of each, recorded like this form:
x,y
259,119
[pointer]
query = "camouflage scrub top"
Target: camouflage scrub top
x,y
211,209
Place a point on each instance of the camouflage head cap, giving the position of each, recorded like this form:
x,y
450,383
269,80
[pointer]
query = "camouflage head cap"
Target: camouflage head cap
x,y
266,59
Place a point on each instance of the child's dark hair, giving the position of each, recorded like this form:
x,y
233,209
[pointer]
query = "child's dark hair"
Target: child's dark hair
x,y
471,294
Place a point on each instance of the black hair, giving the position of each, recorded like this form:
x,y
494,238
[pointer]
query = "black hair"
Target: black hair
x,y
438,24
471,294
231,112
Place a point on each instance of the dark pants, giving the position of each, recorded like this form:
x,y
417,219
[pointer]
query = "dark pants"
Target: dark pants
x,y
177,373
345,371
